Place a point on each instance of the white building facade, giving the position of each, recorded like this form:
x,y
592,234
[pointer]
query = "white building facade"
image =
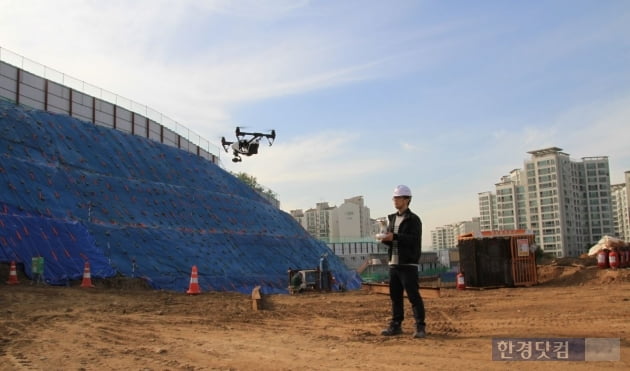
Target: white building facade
x,y
510,202
352,219
487,211
445,237
318,221
349,222
621,212
566,203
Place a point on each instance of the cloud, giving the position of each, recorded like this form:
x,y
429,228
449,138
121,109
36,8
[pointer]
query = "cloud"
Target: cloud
x,y
195,61
317,157
251,8
408,147
599,128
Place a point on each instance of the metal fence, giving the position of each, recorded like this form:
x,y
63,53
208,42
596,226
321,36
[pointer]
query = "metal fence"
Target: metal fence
x,y
83,87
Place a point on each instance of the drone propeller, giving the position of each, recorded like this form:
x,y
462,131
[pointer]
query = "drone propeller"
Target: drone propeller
x,y
271,137
225,144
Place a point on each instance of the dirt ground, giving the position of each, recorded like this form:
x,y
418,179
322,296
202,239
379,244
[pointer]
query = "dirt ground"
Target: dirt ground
x,y
121,325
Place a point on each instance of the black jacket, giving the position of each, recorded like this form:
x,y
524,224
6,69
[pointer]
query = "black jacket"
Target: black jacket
x,y
409,238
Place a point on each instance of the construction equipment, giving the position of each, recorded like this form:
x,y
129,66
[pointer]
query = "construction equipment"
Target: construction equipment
x,y
305,280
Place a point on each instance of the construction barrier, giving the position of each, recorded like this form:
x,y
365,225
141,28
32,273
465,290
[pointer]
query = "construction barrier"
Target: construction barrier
x,y
13,278
87,276
193,287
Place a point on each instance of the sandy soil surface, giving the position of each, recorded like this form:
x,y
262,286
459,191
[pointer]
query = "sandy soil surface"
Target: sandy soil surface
x,y
121,325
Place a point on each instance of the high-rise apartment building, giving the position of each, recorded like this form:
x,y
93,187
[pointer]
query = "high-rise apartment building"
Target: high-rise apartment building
x,y
441,238
487,211
348,222
621,213
445,237
510,202
317,221
566,203
299,216
353,221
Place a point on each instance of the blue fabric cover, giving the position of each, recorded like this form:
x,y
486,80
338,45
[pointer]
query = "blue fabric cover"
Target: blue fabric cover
x,y
73,192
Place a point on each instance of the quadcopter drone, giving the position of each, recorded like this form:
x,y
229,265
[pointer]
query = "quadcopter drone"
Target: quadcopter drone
x,y
246,143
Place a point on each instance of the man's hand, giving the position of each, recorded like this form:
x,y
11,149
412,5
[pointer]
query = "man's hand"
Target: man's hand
x,y
388,237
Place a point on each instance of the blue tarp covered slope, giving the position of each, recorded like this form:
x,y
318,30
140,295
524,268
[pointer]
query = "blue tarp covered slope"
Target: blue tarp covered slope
x,y
75,192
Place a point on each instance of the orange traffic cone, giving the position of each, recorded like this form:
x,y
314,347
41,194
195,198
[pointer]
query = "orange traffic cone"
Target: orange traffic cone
x,y
13,279
87,277
193,288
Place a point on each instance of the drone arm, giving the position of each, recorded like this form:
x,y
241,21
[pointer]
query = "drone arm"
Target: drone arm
x,y
225,144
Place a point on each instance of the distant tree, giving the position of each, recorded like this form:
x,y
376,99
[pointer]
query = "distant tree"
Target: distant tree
x,y
251,181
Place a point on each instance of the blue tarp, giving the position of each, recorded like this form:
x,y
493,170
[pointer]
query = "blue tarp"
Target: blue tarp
x,y
64,245
74,192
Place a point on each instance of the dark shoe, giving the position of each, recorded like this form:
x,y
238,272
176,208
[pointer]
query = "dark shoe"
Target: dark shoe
x,y
392,329
420,333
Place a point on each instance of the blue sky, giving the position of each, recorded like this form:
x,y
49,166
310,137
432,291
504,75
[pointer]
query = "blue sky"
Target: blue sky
x,y
443,96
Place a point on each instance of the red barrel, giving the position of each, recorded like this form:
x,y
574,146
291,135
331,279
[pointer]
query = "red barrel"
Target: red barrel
x,y
461,284
613,259
602,259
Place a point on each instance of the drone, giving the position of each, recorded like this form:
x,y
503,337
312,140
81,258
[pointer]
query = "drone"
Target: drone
x,y
246,144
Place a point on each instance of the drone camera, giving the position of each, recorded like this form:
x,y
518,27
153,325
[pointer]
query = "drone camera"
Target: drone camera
x,y
253,148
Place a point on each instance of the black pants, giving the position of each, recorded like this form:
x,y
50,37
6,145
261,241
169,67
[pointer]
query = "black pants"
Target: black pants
x,y
403,279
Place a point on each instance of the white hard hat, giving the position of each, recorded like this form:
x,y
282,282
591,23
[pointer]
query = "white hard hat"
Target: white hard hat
x,y
402,190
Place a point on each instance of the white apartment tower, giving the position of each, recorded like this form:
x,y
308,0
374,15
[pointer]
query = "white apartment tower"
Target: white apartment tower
x,y
510,202
569,201
445,237
331,224
353,220
318,221
487,211
621,213
566,203
442,238
299,216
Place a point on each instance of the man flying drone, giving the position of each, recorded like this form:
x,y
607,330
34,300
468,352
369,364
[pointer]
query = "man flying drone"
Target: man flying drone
x,y
246,143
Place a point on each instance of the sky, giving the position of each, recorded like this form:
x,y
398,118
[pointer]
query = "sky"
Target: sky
x,y
443,96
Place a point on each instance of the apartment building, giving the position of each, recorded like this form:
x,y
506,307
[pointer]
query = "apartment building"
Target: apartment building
x,y
511,212
317,221
442,238
620,194
566,203
350,222
445,237
299,217
353,221
487,211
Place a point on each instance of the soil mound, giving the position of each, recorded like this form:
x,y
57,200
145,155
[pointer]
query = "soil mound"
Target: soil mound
x,y
580,275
